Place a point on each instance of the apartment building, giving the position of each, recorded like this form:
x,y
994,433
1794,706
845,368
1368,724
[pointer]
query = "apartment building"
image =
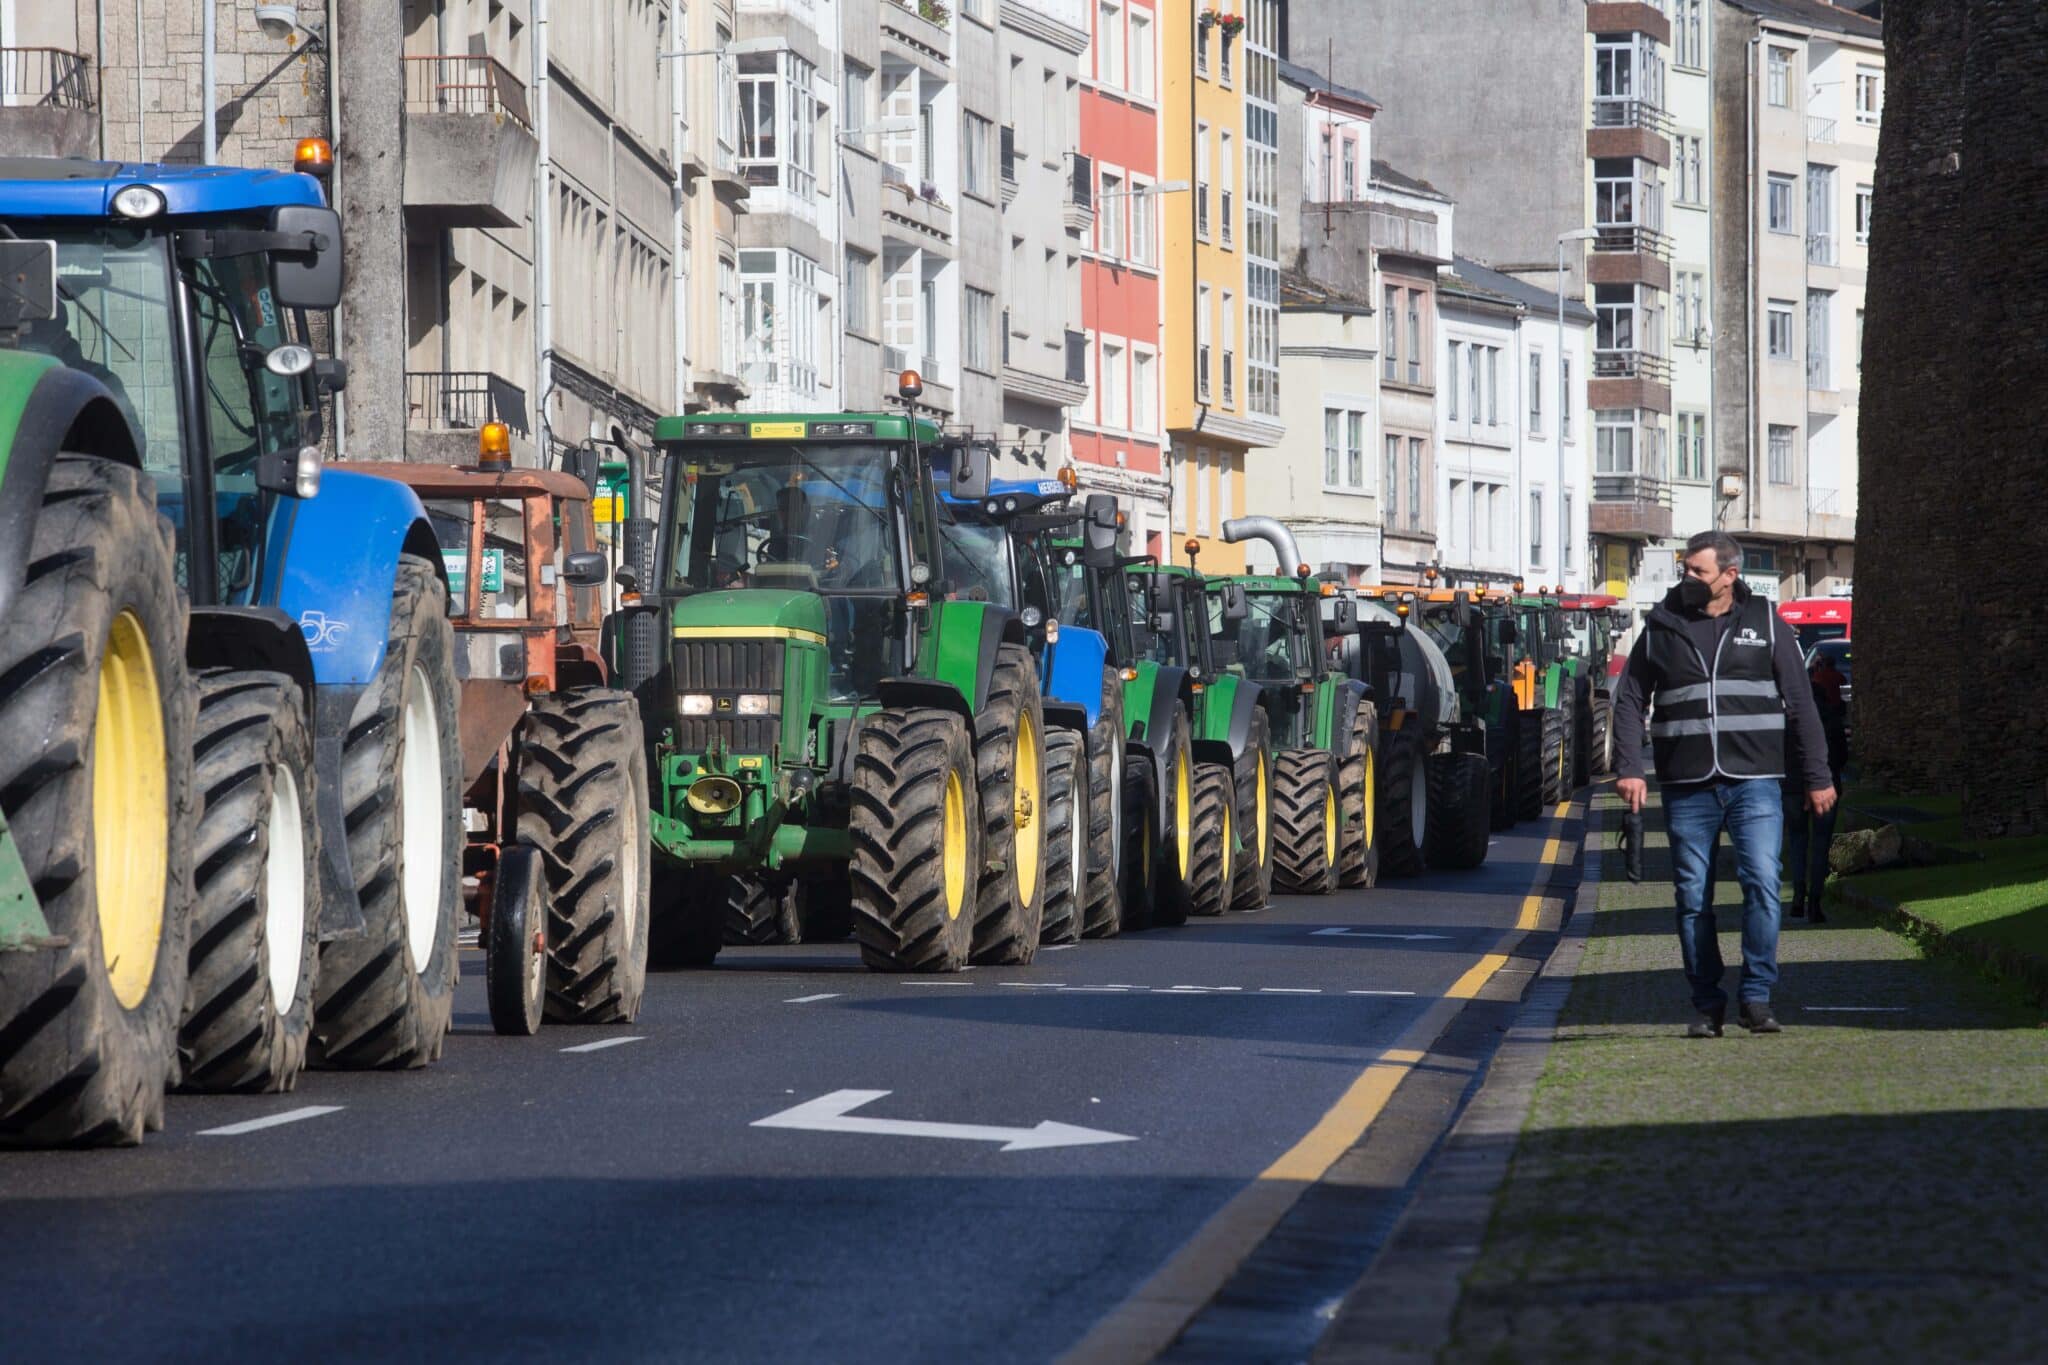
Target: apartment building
x,y
714,196
1042,350
1798,89
1117,201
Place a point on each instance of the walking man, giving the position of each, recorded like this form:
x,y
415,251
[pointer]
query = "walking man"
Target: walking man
x,y
1724,677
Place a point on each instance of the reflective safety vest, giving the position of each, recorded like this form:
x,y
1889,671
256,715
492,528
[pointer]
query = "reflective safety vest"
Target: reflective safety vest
x,y
1719,717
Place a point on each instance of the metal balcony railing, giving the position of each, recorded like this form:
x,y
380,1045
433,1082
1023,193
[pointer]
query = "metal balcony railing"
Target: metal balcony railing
x,y
1631,365
1077,357
1630,113
1631,237
1820,373
1820,248
1819,129
1631,487
45,77
462,400
449,84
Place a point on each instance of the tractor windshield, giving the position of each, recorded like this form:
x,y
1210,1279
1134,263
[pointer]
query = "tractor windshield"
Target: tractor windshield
x,y
815,518
977,558
1272,639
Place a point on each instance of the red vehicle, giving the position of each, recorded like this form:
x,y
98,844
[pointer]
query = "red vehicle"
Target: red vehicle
x,y
1816,619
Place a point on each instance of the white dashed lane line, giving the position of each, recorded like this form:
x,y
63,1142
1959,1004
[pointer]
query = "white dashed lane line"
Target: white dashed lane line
x,y
811,999
602,1043
1124,988
311,1111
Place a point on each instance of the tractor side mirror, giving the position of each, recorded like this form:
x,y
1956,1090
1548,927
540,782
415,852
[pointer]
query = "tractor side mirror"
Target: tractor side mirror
x,y
308,279
969,470
582,462
1461,610
1345,618
1099,531
1235,605
586,568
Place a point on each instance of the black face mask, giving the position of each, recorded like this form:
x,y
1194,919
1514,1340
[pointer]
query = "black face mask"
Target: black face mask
x,y
1694,594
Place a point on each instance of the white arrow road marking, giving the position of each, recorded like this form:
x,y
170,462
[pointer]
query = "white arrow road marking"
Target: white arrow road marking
x,y
809,999
1342,932
833,1113
311,1111
601,1044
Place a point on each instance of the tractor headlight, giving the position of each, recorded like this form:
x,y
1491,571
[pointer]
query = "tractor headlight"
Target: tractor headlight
x,y
758,704
713,795
138,201
696,704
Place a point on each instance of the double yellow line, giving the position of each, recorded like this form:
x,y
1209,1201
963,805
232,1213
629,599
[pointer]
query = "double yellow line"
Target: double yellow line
x,y
1149,1320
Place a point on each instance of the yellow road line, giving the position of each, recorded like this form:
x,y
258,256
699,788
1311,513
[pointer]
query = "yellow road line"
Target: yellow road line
x,y
1149,1320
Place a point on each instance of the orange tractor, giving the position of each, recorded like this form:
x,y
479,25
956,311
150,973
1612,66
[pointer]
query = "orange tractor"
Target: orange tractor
x,y
555,865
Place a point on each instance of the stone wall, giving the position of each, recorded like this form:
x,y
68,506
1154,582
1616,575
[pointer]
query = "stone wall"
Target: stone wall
x,y
1954,641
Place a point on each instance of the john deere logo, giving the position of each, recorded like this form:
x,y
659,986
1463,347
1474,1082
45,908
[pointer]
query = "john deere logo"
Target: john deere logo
x,y
725,703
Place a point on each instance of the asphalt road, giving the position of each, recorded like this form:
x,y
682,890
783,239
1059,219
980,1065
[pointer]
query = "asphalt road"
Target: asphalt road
x,y
554,1199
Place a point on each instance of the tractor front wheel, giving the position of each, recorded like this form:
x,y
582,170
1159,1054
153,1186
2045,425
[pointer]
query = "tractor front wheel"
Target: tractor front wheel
x,y
1307,823
1358,857
1252,886
1215,835
1175,853
1459,786
1557,757
1142,838
1103,914
916,831
1066,837
1601,759
1009,757
1404,801
1528,766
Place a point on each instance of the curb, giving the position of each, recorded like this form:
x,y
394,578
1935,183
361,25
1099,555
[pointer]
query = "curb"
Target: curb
x,y
1403,1308
1996,961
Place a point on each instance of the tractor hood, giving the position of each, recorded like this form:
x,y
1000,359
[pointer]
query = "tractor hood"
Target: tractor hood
x,y
743,612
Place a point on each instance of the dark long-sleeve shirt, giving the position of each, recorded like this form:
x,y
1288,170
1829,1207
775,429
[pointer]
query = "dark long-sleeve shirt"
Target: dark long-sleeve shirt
x,y
1638,684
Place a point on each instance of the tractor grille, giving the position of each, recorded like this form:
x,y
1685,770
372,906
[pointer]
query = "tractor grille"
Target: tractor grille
x,y
739,734
725,669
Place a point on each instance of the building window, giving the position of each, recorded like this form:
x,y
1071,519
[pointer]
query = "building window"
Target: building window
x,y
1202,342
1472,376
1415,483
1564,534
853,111
779,121
1229,349
1144,392
1535,393
1415,336
1535,528
1614,442
1109,47
1564,418
1820,369
859,291
1115,386
1141,55
1333,450
1865,202
1202,467
1142,226
1692,446
975,177
1201,50
1628,74
1781,455
1614,305
1202,181
1109,216
1779,216
1778,78
1348,150
1390,340
757,115
1354,450
1451,389
1688,308
1227,185
1859,341
1869,95
1223,53
1778,314
1686,157
928,317
1492,386
981,308
1688,34
1392,486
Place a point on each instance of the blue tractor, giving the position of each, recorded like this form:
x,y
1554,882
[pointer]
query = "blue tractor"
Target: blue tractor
x,y
229,759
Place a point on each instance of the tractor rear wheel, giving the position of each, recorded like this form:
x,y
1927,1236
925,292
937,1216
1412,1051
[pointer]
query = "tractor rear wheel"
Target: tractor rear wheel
x,y
916,832
384,997
96,763
1306,823
1103,913
1009,758
1066,837
1404,801
1557,758
1175,852
1142,838
684,928
761,908
1601,758
256,931
1358,854
1458,810
1528,766
583,802
1252,886
1214,822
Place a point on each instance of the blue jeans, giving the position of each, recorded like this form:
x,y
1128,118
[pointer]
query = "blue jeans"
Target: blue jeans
x,y
1754,815
1807,840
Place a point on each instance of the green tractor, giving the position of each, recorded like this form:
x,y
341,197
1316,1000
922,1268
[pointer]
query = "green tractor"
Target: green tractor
x,y
1544,686
1591,627
835,735
1323,725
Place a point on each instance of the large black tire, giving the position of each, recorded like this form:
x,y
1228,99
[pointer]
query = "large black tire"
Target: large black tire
x,y
583,803
1358,854
1601,758
1557,757
916,831
1009,758
256,929
760,908
79,1064
515,953
1459,827
684,924
1404,800
1142,836
1527,780
1215,828
1306,823
1174,853
1104,912
385,996
1252,885
1066,837
1582,735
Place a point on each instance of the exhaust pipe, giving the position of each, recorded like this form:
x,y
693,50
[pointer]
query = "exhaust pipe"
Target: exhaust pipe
x,y
1292,565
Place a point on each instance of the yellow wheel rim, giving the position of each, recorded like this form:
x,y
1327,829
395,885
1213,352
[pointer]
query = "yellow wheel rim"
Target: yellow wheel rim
x,y
1029,836
953,848
1183,815
1229,858
1261,810
1330,824
131,820
1372,798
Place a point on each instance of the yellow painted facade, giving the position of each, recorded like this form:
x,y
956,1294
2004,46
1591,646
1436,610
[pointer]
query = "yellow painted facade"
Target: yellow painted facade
x,y
1201,122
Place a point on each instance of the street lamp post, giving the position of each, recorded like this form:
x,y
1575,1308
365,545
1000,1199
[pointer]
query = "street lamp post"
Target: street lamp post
x,y
1564,396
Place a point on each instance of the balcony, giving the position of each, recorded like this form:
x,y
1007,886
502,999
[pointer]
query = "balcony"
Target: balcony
x,y
1080,206
1631,237
1625,253
444,409
469,146
1820,248
1631,365
1819,129
1631,113
915,34
46,102
1633,506
915,206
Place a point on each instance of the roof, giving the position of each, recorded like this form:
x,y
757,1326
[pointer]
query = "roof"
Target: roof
x,y
1537,298
35,187
1316,81
1815,14
1300,291
1457,285
1386,175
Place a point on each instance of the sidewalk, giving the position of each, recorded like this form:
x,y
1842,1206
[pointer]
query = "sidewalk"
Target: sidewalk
x,y
1868,1184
